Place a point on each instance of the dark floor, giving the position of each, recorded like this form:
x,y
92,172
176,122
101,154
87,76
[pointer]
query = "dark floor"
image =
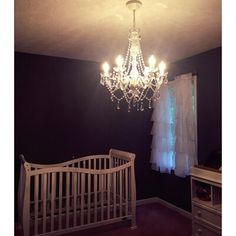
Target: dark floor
x,y
152,220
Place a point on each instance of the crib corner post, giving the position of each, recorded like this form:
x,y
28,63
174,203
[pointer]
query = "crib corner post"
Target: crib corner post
x,y
19,194
26,201
133,196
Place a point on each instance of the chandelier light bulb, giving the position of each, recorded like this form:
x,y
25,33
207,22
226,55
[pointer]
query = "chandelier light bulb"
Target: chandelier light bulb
x,y
119,61
162,67
106,68
152,61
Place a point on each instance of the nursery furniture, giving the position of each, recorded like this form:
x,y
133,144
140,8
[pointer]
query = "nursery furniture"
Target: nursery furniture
x,y
206,201
85,192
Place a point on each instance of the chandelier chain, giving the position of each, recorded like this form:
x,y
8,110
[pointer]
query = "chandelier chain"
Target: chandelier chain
x,y
134,23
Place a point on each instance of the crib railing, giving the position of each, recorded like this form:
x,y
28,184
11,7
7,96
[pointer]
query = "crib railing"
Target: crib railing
x,y
78,194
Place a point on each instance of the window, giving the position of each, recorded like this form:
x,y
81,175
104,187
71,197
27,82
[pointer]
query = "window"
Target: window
x,y
174,142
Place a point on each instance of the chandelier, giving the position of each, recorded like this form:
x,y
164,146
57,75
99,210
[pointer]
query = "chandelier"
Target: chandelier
x,y
130,79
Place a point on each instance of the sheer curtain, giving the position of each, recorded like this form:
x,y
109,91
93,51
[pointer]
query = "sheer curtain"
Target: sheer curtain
x,y
185,129
163,141
174,142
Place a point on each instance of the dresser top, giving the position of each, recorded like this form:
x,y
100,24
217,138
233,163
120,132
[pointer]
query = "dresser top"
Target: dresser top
x,y
206,174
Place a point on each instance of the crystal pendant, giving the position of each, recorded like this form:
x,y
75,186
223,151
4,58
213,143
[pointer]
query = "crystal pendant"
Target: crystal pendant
x,y
150,104
118,105
141,107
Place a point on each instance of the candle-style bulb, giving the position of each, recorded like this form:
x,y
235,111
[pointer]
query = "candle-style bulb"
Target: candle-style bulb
x,y
106,68
162,67
119,61
152,61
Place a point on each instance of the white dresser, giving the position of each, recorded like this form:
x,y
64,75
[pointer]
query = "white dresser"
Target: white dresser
x,y
206,201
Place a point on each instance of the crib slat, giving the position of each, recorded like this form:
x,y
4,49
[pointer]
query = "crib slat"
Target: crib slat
x,y
78,189
95,198
36,203
129,182
74,196
72,190
108,195
102,195
82,198
89,196
67,198
41,197
60,198
44,201
126,191
133,196
105,180
53,193
48,187
79,194
109,162
121,192
114,197
89,164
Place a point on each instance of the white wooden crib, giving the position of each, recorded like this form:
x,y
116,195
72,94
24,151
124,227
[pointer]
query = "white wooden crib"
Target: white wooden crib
x,y
78,194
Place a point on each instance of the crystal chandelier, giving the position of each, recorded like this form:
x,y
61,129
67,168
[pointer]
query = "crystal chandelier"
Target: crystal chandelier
x,y
130,79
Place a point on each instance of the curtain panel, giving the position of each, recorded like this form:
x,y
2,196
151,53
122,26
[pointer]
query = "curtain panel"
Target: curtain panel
x,y
174,142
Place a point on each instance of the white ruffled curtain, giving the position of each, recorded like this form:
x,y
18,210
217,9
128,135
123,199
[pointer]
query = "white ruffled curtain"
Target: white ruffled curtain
x,y
163,141
174,128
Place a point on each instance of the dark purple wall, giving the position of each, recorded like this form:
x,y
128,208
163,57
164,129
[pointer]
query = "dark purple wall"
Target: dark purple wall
x,y
61,110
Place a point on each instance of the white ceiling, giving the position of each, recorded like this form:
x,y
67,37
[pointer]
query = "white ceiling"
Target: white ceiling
x,y
97,30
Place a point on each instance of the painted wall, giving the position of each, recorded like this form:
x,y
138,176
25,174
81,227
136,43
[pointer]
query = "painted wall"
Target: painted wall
x,y
61,110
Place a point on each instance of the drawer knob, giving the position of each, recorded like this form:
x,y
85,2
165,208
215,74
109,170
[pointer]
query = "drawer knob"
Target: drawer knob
x,y
199,213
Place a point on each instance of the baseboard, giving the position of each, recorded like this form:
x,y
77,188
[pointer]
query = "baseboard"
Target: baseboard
x,y
147,201
164,203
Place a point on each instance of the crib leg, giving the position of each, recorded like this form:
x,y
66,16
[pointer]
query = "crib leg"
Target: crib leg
x,y
133,210
26,225
133,224
26,229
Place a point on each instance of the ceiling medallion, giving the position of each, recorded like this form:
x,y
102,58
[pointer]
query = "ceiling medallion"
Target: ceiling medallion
x,y
130,79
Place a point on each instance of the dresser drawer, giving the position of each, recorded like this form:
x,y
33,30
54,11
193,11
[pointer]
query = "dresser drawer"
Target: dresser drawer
x,y
201,230
207,216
